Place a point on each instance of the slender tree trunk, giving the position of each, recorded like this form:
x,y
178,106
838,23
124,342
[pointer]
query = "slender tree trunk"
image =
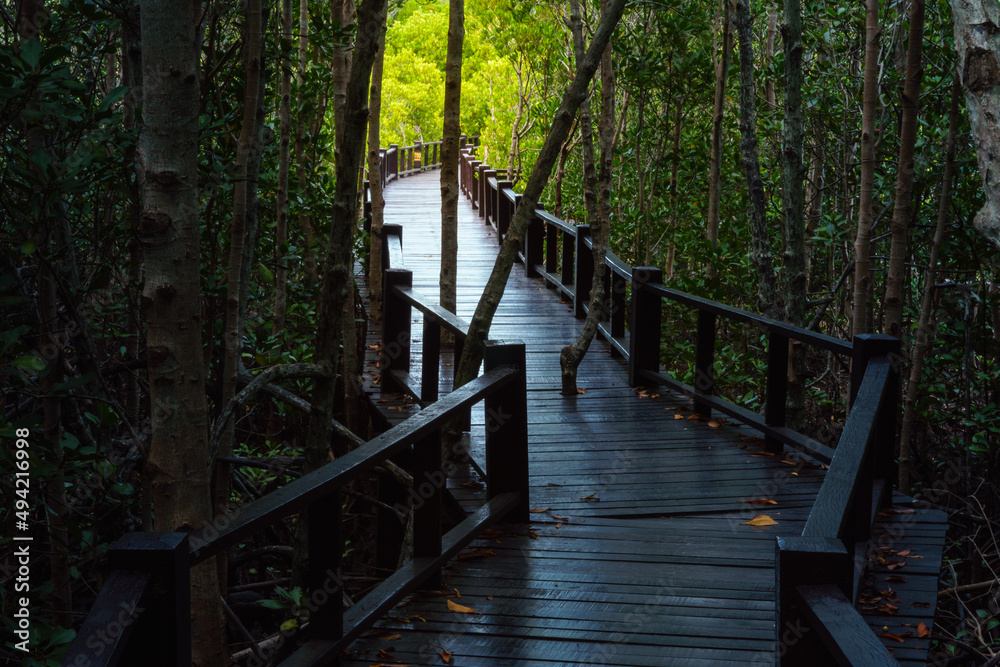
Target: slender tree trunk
x,y
375,181
772,30
132,76
515,130
719,106
903,206
767,292
178,463
339,265
793,202
564,153
449,154
922,339
977,41
284,139
866,216
233,333
301,168
597,206
472,353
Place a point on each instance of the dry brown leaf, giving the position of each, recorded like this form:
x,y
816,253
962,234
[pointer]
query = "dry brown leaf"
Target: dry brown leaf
x,y
538,510
715,423
445,654
899,638
678,416
457,594
760,501
895,579
581,390
760,520
904,552
922,630
385,655
476,553
461,609
389,638
473,485
592,496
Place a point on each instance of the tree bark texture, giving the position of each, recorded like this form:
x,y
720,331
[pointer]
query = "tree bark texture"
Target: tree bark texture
x,y
977,40
903,207
767,292
284,141
302,127
177,465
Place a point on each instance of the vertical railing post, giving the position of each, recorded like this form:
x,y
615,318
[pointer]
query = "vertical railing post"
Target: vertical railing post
x,y
866,348
505,209
777,387
395,160
704,362
326,548
568,258
389,230
481,188
409,159
802,561
507,428
644,336
473,190
423,157
584,272
428,482
395,328
430,364
616,304
534,239
551,248
163,628
490,196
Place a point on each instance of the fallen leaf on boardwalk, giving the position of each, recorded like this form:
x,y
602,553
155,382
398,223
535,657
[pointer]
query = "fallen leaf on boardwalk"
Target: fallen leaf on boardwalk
x,y
913,556
760,520
489,597
581,390
592,496
539,510
445,655
760,501
678,416
695,417
922,630
457,594
899,638
389,638
896,579
715,423
560,518
559,525
385,655
373,347
473,485
532,533
419,618
904,552
476,553
553,484
461,609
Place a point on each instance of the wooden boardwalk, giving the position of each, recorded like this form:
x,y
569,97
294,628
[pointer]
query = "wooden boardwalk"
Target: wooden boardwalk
x,y
638,552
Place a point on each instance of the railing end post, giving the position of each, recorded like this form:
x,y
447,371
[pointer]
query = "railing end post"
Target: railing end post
x,y
584,272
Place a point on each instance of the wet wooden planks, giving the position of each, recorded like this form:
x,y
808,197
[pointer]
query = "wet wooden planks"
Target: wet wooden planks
x,y
638,552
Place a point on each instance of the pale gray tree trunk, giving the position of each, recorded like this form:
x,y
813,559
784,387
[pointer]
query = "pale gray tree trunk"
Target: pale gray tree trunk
x,y
284,140
375,182
178,461
726,8
977,40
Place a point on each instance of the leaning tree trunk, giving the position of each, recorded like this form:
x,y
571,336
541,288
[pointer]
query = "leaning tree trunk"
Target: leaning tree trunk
x,y
375,182
866,216
598,204
301,168
977,40
719,106
576,93
178,460
449,155
904,174
922,339
767,291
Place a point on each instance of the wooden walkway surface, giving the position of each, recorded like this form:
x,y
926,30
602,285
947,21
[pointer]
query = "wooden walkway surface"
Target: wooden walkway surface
x,y
638,552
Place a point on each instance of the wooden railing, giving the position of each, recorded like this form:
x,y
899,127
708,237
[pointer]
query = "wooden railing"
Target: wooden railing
x,y
861,463
142,614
